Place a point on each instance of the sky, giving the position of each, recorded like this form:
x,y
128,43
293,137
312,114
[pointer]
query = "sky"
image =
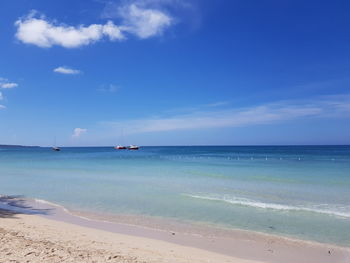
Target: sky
x,y
174,72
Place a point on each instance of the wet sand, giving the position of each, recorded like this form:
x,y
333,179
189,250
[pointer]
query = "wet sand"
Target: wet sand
x,y
52,234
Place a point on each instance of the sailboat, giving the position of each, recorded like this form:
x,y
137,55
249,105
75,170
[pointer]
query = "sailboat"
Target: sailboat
x,y
55,148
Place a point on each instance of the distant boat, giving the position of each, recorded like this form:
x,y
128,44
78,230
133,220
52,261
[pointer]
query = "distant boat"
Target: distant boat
x,y
57,149
119,147
133,147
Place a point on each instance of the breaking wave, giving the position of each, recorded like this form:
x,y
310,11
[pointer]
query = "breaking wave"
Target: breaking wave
x,y
272,206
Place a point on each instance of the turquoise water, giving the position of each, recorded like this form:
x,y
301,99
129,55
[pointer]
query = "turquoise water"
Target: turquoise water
x,y
299,191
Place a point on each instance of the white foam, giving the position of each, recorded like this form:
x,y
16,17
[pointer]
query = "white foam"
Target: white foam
x,y
51,204
272,206
61,207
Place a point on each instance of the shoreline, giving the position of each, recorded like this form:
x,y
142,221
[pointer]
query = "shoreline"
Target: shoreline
x,y
31,238
171,225
243,244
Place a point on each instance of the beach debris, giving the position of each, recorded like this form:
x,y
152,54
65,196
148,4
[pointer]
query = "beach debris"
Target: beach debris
x,y
32,252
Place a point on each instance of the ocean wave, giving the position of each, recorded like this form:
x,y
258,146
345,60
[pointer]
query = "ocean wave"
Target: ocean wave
x,y
51,204
62,208
272,206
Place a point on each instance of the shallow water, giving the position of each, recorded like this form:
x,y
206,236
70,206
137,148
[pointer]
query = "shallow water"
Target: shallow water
x,y
297,191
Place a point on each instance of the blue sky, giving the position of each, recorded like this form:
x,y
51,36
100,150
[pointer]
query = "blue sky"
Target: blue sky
x,y
174,72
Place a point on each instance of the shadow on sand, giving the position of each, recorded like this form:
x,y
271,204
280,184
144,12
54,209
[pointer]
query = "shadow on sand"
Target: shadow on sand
x,y
10,206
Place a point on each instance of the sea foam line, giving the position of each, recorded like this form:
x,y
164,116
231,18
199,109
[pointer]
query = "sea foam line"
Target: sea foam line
x,y
51,204
63,208
272,206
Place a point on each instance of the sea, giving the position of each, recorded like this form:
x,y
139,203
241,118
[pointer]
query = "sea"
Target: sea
x,y
293,191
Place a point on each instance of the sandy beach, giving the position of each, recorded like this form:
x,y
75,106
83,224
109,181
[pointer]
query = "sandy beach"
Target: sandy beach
x,y
30,238
35,238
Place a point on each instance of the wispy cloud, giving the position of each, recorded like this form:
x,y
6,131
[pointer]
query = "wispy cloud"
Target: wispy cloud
x,y
67,70
78,132
6,84
239,117
108,88
195,108
217,104
135,18
1,98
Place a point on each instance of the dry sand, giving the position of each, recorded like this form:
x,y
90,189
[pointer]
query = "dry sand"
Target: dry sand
x,y
30,238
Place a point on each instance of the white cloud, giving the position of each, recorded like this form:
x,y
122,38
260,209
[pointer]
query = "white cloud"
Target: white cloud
x,y
217,104
66,70
136,20
78,132
144,22
113,31
6,84
239,117
109,88
43,33
9,85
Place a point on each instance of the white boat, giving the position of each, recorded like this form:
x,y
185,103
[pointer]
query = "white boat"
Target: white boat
x,y
133,147
120,147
